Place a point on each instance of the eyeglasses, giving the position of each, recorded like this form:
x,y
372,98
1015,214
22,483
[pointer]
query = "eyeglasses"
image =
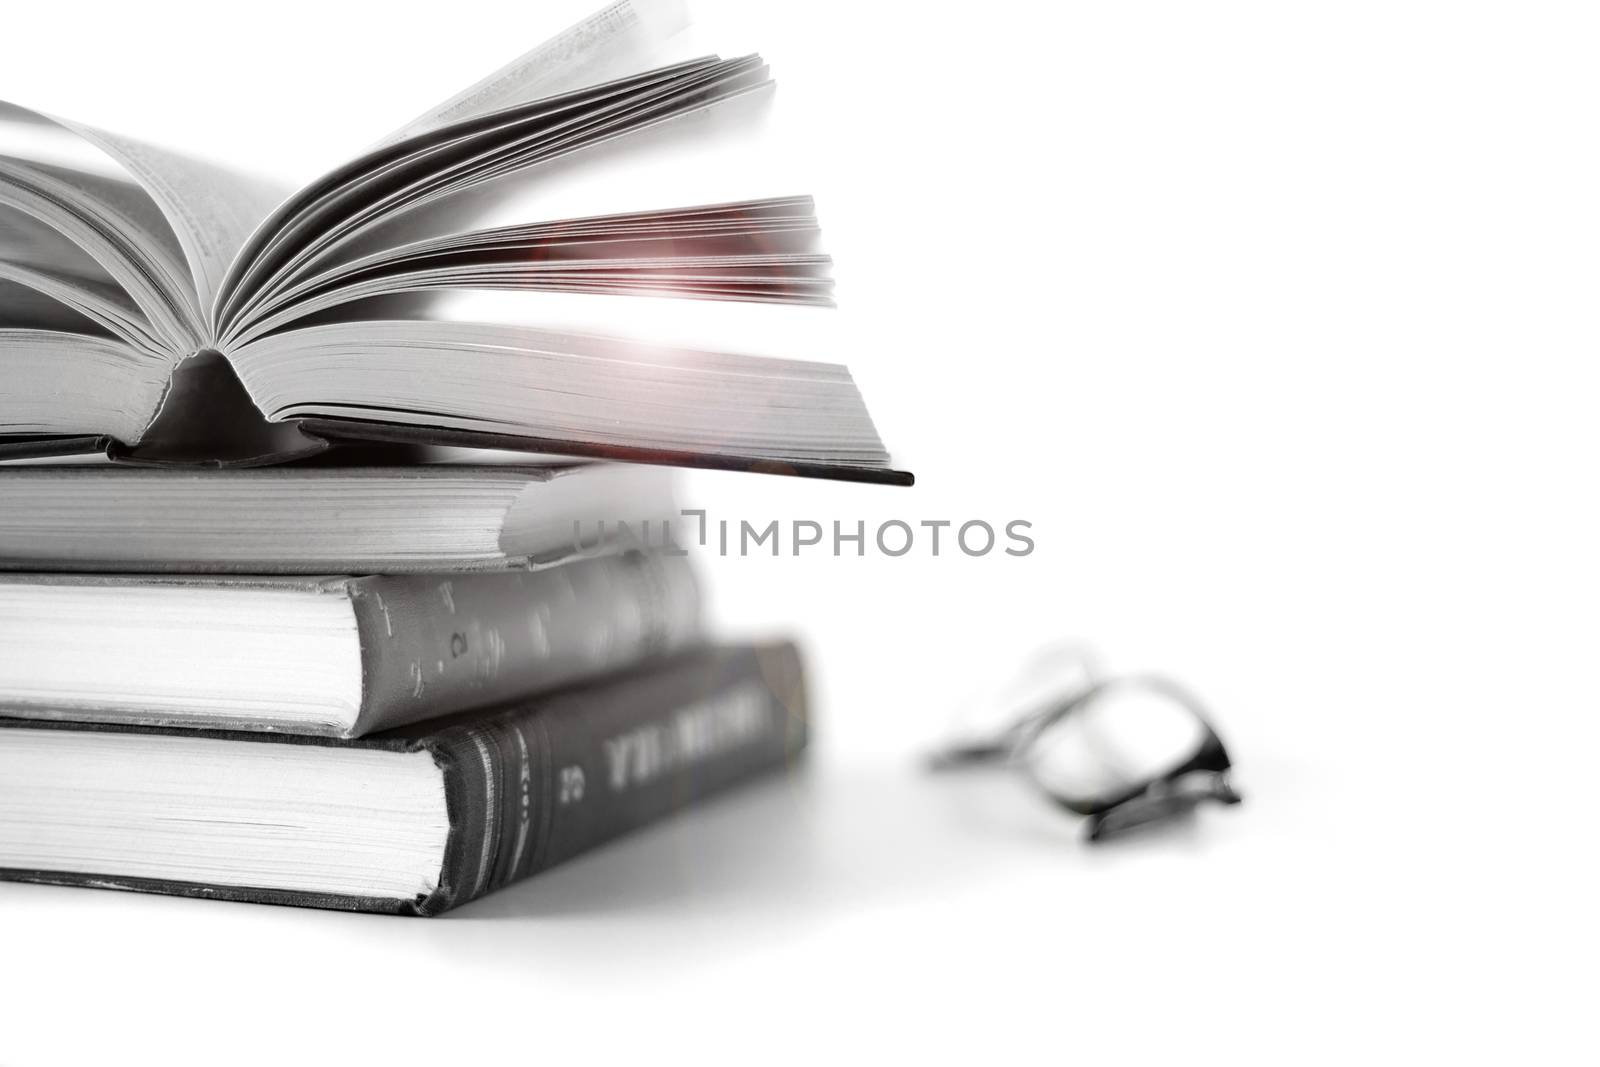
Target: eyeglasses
x,y
1127,751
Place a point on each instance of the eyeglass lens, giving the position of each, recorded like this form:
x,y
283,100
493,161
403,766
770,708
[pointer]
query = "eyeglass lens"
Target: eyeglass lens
x,y
1115,739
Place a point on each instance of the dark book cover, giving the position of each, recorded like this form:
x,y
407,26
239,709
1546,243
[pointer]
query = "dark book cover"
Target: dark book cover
x,y
436,644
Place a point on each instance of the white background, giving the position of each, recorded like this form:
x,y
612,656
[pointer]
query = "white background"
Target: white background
x,y
1277,321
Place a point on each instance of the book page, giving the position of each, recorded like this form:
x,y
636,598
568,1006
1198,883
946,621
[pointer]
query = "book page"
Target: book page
x,y
62,378
212,210
41,143
323,222
106,306
28,307
761,251
52,173
26,241
309,213
81,208
624,37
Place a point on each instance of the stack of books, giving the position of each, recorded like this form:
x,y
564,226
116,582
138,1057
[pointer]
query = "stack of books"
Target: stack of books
x,y
277,641
333,686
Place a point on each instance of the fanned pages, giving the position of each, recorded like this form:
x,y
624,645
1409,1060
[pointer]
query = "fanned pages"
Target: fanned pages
x,y
125,267
620,38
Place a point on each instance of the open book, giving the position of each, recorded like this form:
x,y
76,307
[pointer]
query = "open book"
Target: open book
x,y
166,311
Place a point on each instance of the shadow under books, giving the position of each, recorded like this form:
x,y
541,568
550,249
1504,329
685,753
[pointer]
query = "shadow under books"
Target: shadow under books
x,y
817,841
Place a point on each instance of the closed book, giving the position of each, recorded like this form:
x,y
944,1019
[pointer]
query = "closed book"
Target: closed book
x,y
332,656
413,821
393,518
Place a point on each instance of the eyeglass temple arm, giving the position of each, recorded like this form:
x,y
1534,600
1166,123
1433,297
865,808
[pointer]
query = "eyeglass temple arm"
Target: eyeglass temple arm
x,y
957,756
994,749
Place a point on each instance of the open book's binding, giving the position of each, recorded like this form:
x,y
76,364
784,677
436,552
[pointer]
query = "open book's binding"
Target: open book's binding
x,y
504,772
207,419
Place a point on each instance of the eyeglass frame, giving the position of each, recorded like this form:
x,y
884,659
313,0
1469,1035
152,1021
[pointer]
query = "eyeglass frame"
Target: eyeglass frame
x,y
1203,776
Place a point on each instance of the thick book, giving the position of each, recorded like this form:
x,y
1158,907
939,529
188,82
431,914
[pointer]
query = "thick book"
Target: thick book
x,y
339,656
168,311
328,519
415,821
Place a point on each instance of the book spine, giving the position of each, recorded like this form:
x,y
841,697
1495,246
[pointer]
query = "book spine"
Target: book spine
x,y
530,789
433,645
